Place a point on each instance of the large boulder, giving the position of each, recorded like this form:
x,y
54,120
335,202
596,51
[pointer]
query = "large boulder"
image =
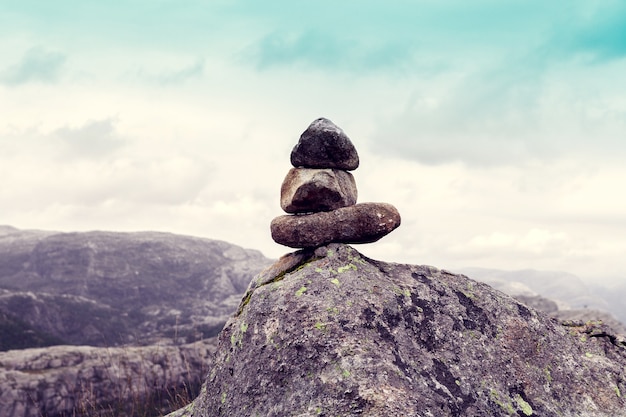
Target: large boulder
x,y
329,332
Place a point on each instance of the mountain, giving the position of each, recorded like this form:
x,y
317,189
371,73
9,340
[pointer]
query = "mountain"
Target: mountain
x,y
573,297
161,298
329,332
581,315
568,290
16,334
155,294
111,289
615,297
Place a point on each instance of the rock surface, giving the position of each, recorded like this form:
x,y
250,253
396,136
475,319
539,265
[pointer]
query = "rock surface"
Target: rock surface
x,y
360,223
329,332
110,289
307,190
324,145
90,381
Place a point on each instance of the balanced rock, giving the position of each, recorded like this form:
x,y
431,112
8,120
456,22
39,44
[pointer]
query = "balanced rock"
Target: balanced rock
x,y
324,145
359,223
322,194
306,190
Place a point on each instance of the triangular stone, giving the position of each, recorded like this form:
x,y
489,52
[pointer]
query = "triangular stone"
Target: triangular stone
x,y
324,145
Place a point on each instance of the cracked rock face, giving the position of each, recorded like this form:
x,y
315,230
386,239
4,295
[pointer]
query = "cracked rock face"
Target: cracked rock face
x,y
329,332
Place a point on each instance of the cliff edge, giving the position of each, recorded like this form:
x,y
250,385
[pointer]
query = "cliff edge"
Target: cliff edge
x,y
329,332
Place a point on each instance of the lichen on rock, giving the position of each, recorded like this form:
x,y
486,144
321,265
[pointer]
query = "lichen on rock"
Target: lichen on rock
x,y
395,339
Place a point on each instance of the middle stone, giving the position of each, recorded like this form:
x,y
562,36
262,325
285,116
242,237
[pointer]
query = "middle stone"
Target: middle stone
x,y
307,190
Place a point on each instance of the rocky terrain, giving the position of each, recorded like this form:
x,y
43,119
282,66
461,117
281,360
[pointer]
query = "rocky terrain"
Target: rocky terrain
x,y
90,381
130,318
580,315
112,289
329,332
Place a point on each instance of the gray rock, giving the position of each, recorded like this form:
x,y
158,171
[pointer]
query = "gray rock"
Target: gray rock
x,y
87,381
307,190
338,334
324,145
360,223
104,288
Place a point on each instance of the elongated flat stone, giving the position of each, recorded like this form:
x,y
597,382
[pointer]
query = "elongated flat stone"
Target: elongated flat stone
x,y
308,190
360,223
324,145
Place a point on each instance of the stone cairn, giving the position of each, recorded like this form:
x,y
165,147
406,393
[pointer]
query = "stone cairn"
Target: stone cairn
x,y
320,194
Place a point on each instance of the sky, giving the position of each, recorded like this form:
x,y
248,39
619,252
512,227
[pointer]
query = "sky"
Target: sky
x,y
497,128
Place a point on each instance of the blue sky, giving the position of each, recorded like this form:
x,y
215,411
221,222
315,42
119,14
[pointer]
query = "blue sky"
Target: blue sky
x,y
496,127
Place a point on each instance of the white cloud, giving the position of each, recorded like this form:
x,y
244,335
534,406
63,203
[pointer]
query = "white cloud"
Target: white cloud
x,y
95,139
499,148
535,242
37,65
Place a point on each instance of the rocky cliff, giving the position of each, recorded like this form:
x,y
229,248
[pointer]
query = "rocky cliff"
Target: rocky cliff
x,y
329,332
110,289
64,381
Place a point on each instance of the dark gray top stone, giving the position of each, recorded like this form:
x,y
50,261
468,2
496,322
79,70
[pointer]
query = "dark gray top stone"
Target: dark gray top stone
x,y
324,145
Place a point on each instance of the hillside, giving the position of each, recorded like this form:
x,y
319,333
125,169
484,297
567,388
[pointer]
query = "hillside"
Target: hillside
x,y
169,294
110,289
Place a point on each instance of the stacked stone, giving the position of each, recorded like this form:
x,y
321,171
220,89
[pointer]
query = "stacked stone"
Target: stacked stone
x,y
320,194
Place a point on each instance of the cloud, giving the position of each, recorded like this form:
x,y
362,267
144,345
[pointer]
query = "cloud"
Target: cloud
x,y
194,70
510,111
475,119
538,242
37,65
527,95
318,49
601,35
95,139
175,76
163,181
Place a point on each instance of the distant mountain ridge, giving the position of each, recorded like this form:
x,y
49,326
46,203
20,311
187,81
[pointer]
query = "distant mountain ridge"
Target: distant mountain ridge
x,y
573,297
110,288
